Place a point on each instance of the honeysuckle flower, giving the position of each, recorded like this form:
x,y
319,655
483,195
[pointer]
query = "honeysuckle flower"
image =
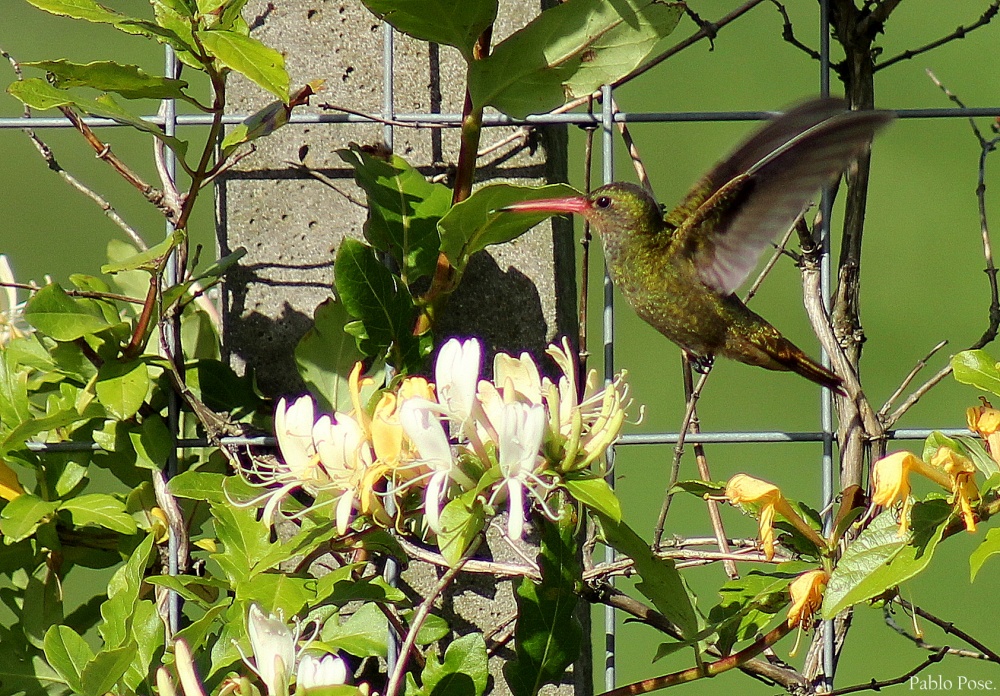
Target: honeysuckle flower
x,y
518,378
328,670
347,461
743,490
961,471
892,482
386,431
419,418
518,453
12,324
587,426
807,596
274,647
985,421
456,374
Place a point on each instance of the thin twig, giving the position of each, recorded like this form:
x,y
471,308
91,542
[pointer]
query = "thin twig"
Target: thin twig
x,y
875,685
959,33
986,146
381,119
788,33
921,364
675,465
779,251
950,628
500,570
396,680
918,641
633,151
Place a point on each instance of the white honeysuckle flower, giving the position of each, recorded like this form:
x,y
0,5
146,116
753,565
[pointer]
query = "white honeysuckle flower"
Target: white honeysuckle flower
x,y
420,421
293,426
314,671
456,372
274,648
345,455
12,324
517,378
519,453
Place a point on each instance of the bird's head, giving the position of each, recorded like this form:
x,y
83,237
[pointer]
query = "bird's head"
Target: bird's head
x,y
610,208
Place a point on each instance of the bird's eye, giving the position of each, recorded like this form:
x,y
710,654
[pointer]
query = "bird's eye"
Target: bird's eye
x,y
603,202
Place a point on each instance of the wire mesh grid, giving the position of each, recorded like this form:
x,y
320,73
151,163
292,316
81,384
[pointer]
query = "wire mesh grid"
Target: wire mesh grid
x,y
605,121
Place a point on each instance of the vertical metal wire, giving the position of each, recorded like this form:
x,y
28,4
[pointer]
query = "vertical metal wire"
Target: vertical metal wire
x,y
608,175
172,338
826,396
391,572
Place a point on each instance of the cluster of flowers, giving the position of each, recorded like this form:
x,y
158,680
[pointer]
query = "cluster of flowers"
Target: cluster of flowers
x,y
511,439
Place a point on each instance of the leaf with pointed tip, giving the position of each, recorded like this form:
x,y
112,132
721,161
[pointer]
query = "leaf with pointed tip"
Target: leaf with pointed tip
x,y
464,670
978,368
122,387
477,222
596,494
569,51
39,94
880,558
457,24
64,318
130,81
249,57
68,654
403,210
100,510
990,546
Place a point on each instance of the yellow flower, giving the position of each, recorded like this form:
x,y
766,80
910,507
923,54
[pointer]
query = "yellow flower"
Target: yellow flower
x,y
985,421
807,596
951,471
743,490
961,471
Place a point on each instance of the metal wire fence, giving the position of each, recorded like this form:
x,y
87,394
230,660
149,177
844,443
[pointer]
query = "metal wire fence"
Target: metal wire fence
x,y
606,121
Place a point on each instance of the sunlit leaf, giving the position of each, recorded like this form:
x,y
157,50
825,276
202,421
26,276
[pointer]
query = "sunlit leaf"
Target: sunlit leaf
x,y
596,494
122,387
990,546
100,510
977,368
569,51
130,81
249,57
457,24
464,671
326,354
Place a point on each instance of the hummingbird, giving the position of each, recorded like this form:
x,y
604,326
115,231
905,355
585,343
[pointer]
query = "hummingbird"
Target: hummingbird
x,y
679,271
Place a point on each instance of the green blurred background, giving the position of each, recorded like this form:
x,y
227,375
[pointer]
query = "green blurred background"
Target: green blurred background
x,y
922,278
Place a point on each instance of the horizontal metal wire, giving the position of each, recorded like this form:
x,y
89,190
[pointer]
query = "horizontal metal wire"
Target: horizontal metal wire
x,y
733,437
455,120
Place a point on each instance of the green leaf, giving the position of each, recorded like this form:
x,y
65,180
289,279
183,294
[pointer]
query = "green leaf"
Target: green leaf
x,y
106,668
277,591
661,582
547,636
122,387
56,314
244,539
150,260
325,356
403,210
457,24
433,629
747,606
21,517
596,494
372,294
130,81
123,595
476,222
100,510
78,9
462,521
192,588
249,57
977,368
989,547
39,94
569,51
362,635
198,485
151,441
68,654
198,632
879,558
463,672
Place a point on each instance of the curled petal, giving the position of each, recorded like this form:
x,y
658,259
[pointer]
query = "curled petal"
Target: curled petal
x,y
520,438
807,596
420,423
519,376
273,648
293,427
315,672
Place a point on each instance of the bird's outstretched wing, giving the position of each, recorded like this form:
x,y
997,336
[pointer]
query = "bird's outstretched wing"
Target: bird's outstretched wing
x,y
731,216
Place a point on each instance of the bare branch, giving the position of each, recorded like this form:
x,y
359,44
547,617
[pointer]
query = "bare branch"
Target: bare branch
x,y
875,685
950,628
921,364
959,33
788,33
633,151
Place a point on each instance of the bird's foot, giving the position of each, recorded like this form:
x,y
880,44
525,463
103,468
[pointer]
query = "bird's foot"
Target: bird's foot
x,y
701,363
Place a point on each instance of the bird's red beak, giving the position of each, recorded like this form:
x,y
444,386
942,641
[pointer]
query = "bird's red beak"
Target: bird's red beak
x,y
569,204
